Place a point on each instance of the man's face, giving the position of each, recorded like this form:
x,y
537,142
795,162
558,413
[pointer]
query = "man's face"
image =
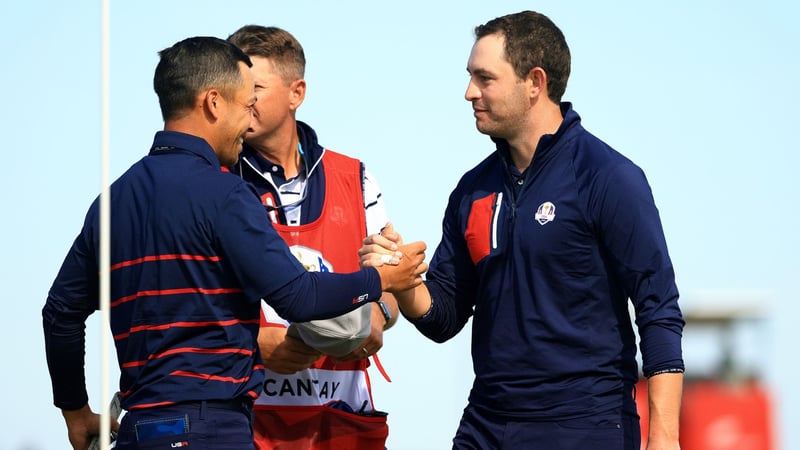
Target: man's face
x,y
499,97
276,101
238,118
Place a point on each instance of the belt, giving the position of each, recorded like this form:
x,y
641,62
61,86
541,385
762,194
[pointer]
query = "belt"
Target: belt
x,y
236,404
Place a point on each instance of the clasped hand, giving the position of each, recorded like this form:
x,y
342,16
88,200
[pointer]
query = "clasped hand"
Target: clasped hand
x,y
400,265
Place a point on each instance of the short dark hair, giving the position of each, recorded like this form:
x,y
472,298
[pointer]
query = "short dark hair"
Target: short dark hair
x,y
275,44
533,40
193,65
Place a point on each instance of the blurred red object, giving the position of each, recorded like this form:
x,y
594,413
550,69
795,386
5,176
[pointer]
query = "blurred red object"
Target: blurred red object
x,y
717,415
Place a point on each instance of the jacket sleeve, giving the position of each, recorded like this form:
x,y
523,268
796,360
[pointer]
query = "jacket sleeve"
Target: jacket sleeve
x,y
630,230
72,298
266,268
451,279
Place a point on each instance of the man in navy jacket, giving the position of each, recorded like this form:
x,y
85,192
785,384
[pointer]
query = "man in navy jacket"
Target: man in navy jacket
x,y
543,244
192,255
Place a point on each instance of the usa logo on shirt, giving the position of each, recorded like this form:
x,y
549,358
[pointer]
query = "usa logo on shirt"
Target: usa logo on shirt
x,y
545,213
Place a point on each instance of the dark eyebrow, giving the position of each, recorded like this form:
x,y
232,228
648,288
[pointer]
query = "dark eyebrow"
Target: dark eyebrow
x,y
479,71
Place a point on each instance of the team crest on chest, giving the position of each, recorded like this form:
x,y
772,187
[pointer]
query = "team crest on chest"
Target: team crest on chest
x,y
545,213
311,259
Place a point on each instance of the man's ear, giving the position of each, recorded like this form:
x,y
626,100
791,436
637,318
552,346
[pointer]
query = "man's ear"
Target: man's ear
x,y
212,101
537,82
297,93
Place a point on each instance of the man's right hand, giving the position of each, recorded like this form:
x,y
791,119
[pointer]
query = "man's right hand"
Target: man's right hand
x,y
82,425
382,248
380,251
407,274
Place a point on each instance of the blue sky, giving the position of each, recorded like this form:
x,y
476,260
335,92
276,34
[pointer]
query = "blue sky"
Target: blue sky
x,y
702,95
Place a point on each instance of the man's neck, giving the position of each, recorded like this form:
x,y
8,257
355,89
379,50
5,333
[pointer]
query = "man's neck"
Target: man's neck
x,y
523,146
188,124
283,151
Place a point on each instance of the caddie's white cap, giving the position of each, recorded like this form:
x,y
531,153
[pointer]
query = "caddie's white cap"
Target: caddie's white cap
x,y
337,336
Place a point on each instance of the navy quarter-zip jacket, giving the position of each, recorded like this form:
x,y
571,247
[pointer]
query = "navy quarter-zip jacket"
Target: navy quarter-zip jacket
x,y
544,262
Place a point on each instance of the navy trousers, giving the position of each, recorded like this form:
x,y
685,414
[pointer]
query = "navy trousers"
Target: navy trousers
x,y
614,431
202,425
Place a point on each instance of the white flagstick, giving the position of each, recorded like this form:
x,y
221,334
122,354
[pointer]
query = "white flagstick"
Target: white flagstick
x,y
105,228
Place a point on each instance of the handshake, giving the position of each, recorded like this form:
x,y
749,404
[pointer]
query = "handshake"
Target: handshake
x,y
349,335
400,266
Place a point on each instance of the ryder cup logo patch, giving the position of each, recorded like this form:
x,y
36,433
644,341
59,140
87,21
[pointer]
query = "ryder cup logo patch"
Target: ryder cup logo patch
x,y
311,259
545,213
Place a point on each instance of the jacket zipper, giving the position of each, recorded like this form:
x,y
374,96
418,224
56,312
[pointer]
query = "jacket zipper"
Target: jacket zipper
x,y
497,208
